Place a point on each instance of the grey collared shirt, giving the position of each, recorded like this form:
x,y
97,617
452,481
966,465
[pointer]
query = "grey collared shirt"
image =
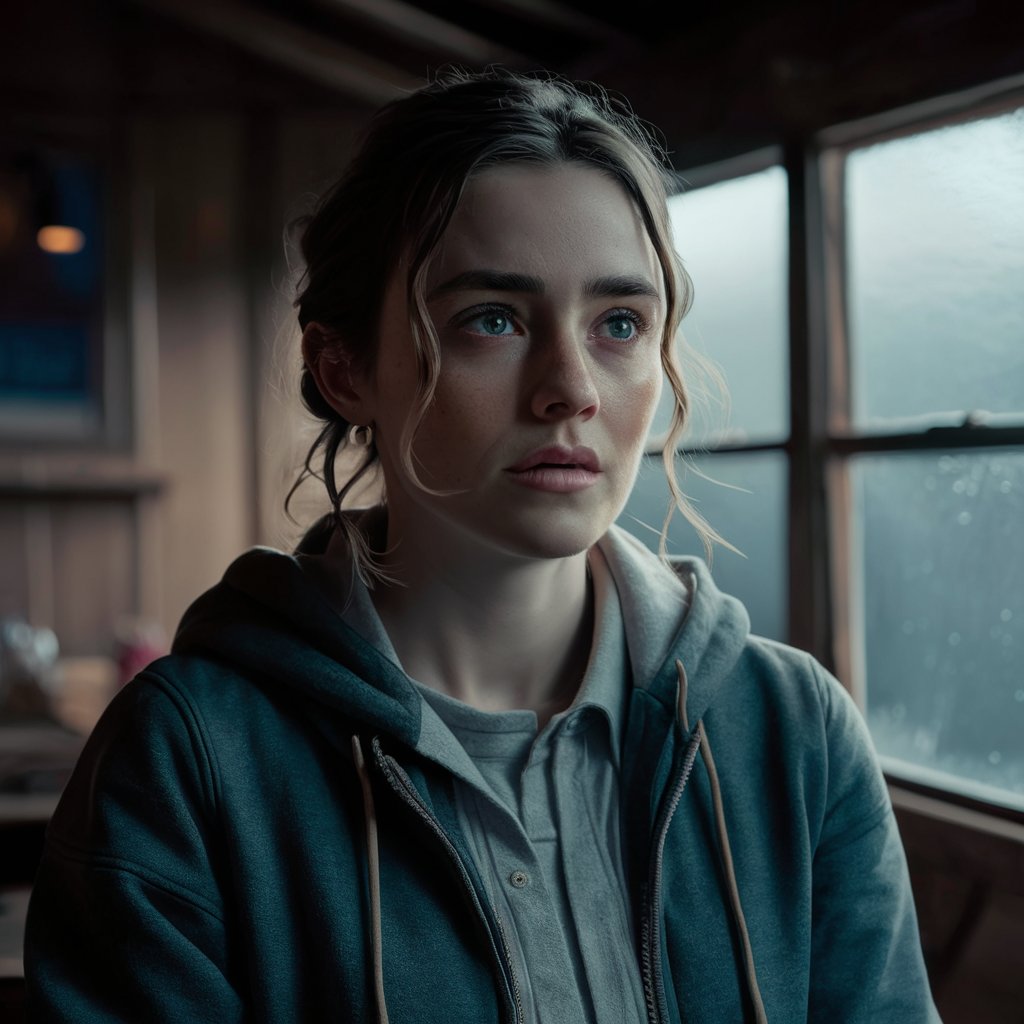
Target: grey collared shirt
x,y
541,813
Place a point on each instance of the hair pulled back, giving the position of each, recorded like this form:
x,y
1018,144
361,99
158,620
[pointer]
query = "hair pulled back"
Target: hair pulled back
x,y
392,205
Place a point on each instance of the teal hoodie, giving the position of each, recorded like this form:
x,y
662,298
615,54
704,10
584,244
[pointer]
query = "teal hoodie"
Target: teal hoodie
x,y
252,835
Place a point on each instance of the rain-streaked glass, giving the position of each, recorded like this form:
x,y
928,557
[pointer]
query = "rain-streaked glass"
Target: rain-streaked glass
x,y
935,273
749,512
941,551
733,239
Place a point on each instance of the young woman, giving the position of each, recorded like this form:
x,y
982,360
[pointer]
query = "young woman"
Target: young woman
x,y
474,754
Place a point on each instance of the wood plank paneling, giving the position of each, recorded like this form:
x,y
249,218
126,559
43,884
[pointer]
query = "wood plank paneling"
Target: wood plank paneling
x,y
93,573
14,574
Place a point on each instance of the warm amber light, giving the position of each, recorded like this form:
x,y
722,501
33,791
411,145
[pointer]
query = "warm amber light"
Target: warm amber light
x,y
60,239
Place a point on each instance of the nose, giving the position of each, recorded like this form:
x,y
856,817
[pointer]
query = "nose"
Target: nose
x,y
563,381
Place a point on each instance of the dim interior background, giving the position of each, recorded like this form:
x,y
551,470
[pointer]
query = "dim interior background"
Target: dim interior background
x,y
852,214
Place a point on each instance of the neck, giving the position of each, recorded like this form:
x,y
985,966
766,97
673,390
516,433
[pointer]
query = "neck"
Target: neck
x,y
498,632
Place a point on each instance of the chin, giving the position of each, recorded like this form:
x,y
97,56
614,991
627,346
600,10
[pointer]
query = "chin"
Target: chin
x,y
549,540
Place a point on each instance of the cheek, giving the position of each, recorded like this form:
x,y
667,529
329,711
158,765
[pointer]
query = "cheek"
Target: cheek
x,y
474,396
638,401
652,392
460,425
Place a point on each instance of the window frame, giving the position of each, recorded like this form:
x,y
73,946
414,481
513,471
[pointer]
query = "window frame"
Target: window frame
x,y
110,434
823,584
824,347
822,595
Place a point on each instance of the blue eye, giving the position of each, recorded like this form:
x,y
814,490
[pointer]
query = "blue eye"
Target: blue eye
x,y
621,326
492,324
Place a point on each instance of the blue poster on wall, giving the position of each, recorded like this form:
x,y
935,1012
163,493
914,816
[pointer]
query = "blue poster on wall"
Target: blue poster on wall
x,y
44,362
51,292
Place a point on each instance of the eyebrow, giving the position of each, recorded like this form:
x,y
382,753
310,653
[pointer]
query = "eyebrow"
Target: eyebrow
x,y
504,281
489,281
609,287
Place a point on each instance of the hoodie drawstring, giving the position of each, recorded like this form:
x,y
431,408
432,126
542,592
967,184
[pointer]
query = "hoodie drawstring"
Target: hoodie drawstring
x,y
735,904
373,867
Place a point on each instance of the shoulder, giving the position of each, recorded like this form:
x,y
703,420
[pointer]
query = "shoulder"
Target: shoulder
x,y
794,679
162,738
227,725
155,727
786,696
143,799
815,735
200,687
797,683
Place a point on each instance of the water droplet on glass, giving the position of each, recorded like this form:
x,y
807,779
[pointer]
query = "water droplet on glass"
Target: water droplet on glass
x,y
924,741
959,487
953,639
1006,615
1006,486
964,518
1019,696
995,757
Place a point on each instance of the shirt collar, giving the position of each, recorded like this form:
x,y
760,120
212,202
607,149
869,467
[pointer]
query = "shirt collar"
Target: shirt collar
x,y
606,680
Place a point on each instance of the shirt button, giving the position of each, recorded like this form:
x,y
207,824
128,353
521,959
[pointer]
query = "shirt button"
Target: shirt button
x,y
519,879
574,724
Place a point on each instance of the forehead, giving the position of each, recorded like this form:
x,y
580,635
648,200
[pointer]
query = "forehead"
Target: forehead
x,y
564,223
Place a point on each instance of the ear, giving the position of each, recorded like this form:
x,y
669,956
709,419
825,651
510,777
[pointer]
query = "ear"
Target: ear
x,y
345,387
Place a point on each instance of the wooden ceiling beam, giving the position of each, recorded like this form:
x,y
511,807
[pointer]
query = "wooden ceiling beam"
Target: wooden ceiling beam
x,y
414,25
289,46
553,15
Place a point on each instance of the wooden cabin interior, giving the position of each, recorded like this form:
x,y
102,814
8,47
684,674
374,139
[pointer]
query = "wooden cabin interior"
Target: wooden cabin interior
x,y
200,130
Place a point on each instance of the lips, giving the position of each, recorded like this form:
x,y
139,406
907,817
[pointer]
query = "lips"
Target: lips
x,y
559,457
557,469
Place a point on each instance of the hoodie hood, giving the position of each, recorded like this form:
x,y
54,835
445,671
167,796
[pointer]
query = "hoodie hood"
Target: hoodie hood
x,y
678,615
269,619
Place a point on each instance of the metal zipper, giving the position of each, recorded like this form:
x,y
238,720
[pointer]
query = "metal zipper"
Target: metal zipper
x,y
650,933
511,967
402,785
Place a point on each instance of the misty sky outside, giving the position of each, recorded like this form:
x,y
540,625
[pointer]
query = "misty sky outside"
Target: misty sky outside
x,y
732,238
935,256
935,307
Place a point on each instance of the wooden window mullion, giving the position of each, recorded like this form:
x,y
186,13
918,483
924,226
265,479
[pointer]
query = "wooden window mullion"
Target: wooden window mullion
x,y
810,601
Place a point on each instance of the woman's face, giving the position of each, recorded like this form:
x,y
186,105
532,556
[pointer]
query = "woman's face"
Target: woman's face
x,y
549,306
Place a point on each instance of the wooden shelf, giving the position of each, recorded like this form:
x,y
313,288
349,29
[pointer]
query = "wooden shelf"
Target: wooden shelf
x,y
67,478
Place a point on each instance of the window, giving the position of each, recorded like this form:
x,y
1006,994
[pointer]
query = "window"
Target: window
x,y
732,235
880,275
933,259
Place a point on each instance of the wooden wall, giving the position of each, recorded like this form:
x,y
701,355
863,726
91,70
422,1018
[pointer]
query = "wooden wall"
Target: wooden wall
x,y
93,534
207,153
